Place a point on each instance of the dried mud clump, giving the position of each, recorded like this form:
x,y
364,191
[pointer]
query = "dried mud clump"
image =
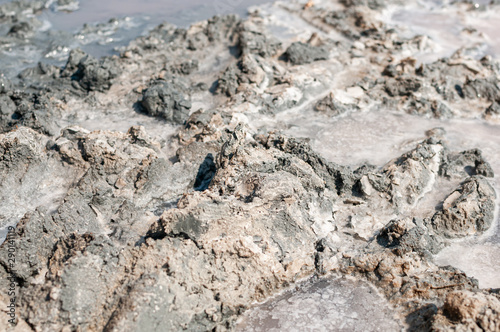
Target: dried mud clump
x,y
90,73
468,210
468,311
164,100
301,53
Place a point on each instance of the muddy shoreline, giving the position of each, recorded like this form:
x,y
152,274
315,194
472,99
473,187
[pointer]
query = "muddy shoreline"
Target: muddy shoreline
x,y
207,169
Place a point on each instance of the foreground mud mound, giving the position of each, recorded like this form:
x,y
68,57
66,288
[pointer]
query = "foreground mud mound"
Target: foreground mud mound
x,y
186,221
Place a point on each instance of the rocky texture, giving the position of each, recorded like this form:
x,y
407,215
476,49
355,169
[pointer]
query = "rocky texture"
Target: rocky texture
x,y
468,311
186,231
332,106
300,53
353,304
164,100
245,71
90,73
252,39
469,162
280,229
468,210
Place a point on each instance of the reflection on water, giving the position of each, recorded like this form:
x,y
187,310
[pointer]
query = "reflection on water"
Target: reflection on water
x,y
180,13
327,305
121,21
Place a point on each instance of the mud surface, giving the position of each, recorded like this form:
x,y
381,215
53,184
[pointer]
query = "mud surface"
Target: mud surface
x,y
327,305
203,170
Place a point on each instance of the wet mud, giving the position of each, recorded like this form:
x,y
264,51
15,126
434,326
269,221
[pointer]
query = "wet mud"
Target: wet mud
x,y
204,170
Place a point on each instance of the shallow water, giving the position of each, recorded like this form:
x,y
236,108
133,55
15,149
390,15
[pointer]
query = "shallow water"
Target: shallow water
x,y
180,13
448,29
101,28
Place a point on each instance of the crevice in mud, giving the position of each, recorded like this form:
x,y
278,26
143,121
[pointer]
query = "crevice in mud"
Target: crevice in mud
x,y
162,235
320,248
213,87
205,174
421,319
31,325
18,280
